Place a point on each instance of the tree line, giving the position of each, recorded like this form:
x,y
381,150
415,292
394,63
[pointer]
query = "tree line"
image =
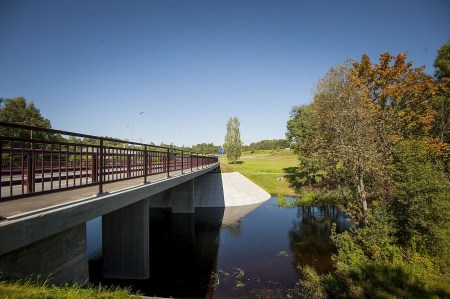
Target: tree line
x,y
375,140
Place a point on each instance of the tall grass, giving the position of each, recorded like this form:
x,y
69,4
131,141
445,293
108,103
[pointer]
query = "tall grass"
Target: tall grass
x,y
29,289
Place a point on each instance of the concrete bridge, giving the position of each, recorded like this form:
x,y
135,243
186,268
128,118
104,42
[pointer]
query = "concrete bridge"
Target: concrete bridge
x,y
52,186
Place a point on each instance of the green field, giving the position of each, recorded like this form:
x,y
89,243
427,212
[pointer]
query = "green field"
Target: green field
x,y
266,168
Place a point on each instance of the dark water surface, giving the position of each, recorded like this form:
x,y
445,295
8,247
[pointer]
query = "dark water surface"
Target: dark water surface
x,y
239,252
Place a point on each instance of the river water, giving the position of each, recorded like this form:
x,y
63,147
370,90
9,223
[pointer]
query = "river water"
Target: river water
x,y
238,252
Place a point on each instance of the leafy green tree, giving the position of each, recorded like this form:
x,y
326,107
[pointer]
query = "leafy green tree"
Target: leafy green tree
x,y
18,110
302,133
441,101
442,62
346,130
233,143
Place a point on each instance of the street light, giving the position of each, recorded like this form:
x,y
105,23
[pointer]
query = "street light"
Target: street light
x,y
131,125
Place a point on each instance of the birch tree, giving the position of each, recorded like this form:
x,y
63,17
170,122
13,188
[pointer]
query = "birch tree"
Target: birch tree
x,y
233,143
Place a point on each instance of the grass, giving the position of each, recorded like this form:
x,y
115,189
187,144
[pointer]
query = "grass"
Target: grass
x,y
27,289
265,168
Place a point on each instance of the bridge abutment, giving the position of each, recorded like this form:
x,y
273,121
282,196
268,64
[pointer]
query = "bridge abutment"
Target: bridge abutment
x,y
126,250
62,257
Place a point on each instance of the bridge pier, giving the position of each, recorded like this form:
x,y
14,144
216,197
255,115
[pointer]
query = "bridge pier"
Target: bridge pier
x,y
182,198
61,256
126,250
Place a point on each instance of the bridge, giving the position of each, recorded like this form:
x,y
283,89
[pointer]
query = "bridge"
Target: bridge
x,y
53,181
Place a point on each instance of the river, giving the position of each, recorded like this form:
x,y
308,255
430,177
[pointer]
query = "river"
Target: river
x,y
238,252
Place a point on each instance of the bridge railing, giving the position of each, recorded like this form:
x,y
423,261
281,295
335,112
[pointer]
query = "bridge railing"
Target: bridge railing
x,y
56,160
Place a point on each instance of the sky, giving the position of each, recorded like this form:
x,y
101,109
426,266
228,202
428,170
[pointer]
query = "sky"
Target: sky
x,y
93,66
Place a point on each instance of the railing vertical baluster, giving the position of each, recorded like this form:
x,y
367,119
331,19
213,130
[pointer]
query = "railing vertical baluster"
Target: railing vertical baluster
x,y
167,162
42,168
59,167
23,168
74,163
182,162
145,164
51,167
128,156
100,186
81,165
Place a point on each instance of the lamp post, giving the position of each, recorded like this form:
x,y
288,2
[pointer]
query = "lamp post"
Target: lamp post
x,y
131,125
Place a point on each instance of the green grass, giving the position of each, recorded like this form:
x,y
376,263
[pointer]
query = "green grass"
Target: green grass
x,y
27,289
265,168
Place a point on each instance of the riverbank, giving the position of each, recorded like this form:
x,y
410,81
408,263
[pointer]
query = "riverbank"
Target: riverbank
x,y
266,168
27,289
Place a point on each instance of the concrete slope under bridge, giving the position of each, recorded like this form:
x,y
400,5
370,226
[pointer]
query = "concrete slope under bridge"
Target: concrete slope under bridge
x,y
218,190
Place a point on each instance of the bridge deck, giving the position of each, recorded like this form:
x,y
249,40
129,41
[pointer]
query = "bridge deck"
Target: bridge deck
x,y
11,208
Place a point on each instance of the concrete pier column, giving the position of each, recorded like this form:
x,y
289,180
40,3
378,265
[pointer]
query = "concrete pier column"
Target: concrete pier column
x,y
126,250
61,256
182,198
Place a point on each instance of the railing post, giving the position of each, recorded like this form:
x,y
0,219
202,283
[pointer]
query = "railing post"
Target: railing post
x,y
30,171
129,166
94,171
174,153
145,164
182,162
168,162
100,186
191,161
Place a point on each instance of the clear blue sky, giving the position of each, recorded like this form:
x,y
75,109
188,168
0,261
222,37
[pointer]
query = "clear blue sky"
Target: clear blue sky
x,y
93,66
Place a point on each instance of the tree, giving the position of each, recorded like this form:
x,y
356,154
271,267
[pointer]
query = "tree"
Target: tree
x,y
346,130
18,110
401,93
233,143
302,133
441,101
442,62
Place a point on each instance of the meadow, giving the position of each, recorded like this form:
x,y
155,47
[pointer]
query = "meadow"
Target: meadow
x,y
266,168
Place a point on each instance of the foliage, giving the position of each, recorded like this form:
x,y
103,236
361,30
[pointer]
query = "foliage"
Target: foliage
x,y
441,101
311,283
19,110
283,202
420,200
380,131
233,143
203,148
442,62
273,144
401,94
303,137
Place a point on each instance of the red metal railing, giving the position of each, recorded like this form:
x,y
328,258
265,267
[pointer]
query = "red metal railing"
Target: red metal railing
x,y
55,163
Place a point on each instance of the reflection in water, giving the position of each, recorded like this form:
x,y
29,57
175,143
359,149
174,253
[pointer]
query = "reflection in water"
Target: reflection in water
x,y
309,236
251,251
